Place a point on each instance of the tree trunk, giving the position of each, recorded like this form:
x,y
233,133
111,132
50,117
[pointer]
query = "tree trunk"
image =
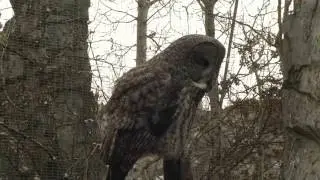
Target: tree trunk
x,y
45,93
301,90
143,8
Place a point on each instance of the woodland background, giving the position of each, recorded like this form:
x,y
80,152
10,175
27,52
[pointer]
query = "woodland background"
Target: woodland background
x,y
58,66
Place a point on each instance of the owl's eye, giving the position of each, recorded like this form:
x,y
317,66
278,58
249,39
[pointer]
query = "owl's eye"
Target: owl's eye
x,y
202,62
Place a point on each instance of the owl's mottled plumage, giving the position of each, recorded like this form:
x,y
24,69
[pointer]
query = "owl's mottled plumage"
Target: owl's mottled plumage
x,y
152,105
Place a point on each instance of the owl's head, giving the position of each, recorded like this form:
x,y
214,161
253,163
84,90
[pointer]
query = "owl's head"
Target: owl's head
x,y
198,58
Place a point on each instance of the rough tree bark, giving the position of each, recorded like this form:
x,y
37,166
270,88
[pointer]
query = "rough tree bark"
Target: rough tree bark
x,y
45,93
300,55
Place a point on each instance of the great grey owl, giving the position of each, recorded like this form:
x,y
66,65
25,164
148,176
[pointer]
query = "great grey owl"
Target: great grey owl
x,y
152,105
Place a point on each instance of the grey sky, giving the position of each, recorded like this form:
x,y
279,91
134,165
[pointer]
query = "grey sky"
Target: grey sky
x,y
180,21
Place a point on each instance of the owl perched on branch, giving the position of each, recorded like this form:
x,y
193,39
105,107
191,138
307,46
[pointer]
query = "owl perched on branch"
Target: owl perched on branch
x,y
152,106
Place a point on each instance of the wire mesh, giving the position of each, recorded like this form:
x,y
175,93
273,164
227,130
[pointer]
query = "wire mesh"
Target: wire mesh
x,y
49,114
47,107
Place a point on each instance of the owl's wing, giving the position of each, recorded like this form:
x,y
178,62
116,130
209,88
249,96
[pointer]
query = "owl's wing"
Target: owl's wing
x,y
133,104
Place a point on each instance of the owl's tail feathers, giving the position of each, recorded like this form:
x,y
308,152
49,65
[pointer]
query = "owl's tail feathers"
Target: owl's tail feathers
x,y
110,156
108,147
115,173
177,169
107,151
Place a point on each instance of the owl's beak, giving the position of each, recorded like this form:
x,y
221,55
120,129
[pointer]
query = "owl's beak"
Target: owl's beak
x,y
206,86
200,85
